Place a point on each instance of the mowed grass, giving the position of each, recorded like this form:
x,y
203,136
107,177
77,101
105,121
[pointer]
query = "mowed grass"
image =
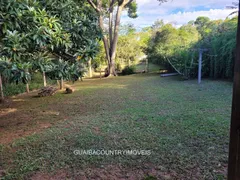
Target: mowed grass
x,y
185,125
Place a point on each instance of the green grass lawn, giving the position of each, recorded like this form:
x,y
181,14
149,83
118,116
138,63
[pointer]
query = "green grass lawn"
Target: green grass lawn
x,y
185,125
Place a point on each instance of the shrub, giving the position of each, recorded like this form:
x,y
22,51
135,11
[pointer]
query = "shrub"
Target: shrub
x,y
128,70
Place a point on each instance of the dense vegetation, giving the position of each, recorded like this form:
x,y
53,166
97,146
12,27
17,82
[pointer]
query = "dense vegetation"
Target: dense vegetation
x,y
178,47
52,37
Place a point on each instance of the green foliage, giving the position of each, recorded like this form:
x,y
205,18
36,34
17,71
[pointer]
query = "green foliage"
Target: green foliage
x,y
132,9
65,70
169,43
131,45
221,43
75,71
37,32
178,48
100,58
43,62
129,70
5,68
202,25
15,72
20,73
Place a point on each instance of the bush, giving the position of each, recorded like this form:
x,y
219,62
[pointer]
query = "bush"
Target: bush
x,y
128,70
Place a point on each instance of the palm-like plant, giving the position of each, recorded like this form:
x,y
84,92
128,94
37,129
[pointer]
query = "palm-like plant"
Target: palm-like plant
x,y
20,73
59,71
75,71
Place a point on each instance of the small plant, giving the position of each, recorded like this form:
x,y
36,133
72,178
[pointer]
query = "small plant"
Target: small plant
x,y
128,70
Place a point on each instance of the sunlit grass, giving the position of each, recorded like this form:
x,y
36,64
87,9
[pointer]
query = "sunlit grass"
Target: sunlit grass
x,y
185,125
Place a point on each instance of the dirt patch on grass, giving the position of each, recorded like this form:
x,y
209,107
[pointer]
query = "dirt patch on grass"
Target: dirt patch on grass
x,y
109,172
24,115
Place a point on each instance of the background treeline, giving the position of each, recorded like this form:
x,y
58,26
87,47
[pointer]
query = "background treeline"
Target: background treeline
x,y
51,38
178,47
130,49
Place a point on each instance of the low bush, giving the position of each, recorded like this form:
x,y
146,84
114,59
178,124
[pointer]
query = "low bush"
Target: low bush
x,y
129,70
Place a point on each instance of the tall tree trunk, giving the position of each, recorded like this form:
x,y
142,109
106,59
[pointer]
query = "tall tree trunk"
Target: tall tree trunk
x,y
27,88
105,40
44,79
146,65
90,67
100,71
1,89
113,47
111,23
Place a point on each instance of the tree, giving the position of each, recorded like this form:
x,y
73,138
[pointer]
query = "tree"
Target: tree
x,y
178,47
170,46
129,47
157,25
107,9
202,25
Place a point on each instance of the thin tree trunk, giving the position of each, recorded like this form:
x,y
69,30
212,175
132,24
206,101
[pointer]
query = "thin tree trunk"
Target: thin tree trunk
x,y
44,79
27,88
90,67
100,71
61,84
1,89
147,66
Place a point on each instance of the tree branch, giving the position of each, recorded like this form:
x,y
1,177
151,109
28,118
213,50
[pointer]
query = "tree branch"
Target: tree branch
x,y
125,2
93,5
111,5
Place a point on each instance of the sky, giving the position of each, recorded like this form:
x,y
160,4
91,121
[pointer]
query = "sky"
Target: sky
x,y
178,12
